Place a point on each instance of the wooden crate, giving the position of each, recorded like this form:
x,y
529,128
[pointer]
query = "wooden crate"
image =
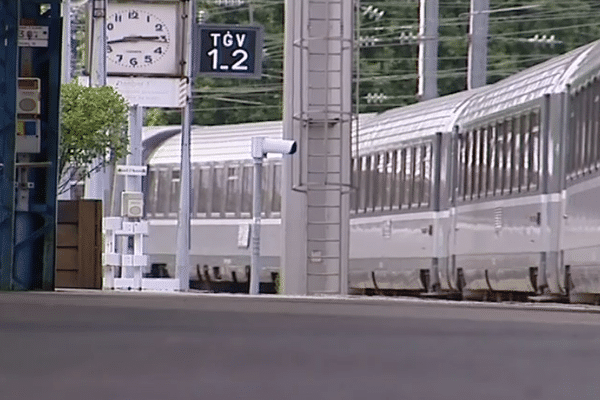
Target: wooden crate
x,y
79,244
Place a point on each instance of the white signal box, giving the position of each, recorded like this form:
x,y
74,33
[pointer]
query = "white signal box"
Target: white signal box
x,y
132,204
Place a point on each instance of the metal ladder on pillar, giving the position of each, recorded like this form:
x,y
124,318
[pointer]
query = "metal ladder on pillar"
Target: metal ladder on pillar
x,y
323,122
324,191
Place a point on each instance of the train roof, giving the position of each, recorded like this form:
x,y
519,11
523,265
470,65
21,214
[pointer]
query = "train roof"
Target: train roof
x,y
587,69
215,143
411,122
528,86
386,130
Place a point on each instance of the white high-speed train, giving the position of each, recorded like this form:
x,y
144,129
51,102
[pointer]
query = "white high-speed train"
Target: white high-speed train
x,y
492,191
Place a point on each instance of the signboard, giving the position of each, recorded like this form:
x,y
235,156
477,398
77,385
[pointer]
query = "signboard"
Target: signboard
x,y
33,36
147,91
228,51
131,170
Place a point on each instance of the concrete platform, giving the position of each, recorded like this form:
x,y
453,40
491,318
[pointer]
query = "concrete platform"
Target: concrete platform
x,y
131,345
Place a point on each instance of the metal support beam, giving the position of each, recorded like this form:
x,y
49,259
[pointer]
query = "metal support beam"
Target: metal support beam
x,y
478,33
9,20
428,49
94,185
318,116
28,234
182,255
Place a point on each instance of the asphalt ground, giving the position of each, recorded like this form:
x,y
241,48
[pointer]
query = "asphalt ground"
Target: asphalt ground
x,y
99,345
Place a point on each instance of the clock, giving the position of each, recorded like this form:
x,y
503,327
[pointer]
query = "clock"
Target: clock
x,y
143,39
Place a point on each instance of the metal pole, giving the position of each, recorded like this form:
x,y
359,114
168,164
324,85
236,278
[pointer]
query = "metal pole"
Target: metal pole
x,y
133,183
428,49
94,185
63,176
478,32
98,75
182,255
66,48
256,216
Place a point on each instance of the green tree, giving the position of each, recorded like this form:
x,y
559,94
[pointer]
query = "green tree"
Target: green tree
x,y
387,48
228,101
93,126
162,116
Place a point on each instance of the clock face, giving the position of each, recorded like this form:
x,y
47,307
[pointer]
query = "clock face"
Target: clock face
x,y
140,39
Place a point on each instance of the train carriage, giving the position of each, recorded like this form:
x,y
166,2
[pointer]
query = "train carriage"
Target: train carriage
x,y
578,274
485,191
509,176
400,210
221,201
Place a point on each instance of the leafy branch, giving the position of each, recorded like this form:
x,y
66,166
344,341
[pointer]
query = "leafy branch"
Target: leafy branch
x,y
93,127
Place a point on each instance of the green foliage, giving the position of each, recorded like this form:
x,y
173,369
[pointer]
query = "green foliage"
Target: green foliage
x,y
228,101
93,125
161,117
390,67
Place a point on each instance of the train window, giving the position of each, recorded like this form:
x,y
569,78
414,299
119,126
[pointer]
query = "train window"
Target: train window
x,y
175,182
267,196
587,146
355,185
462,173
479,163
426,175
374,193
595,122
496,146
476,164
247,182
390,189
232,193
508,153
163,198
523,127
534,150
527,153
493,159
409,172
399,178
203,188
217,203
380,198
514,170
588,130
489,161
363,189
579,142
469,165
366,168
195,172
151,192
415,179
570,163
277,188
472,165
583,133
501,150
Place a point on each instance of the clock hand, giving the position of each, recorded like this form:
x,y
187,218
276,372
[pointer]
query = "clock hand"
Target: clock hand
x,y
139,39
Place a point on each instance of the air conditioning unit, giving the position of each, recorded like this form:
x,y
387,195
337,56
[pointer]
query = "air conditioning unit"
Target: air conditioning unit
x,y
132,204
28,96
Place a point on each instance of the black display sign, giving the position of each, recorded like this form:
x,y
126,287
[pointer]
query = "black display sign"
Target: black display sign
x,y
228,51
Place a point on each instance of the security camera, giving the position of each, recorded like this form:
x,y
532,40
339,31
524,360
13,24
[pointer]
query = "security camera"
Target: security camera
x,y
261,146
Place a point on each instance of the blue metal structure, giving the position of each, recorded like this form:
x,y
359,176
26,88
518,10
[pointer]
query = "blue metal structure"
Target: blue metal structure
x,y
28,227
